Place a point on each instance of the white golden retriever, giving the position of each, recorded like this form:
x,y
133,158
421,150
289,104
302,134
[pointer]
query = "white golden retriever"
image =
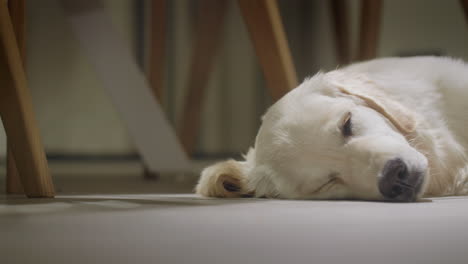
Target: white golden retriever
x,y
387,129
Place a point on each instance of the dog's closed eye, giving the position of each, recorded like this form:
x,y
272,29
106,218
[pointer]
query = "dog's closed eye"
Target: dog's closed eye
x,y
231,187
332,180
347,127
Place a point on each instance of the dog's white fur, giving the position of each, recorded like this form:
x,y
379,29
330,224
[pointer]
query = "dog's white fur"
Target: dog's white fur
x,y
411,108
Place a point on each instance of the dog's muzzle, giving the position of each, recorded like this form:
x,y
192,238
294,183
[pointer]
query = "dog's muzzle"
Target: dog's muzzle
x,y
399,183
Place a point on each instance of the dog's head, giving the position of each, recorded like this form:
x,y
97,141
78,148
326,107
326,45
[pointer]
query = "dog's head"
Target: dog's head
x,y
338,136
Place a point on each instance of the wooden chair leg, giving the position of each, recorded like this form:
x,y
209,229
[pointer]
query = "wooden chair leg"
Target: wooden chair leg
x,y
13,181
464,4
157,47
266,30
340,20
369,32
18,115
210,22
17,11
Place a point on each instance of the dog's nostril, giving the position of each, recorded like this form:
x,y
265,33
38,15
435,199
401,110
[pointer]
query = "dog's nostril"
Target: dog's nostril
x,y
402,174
396,169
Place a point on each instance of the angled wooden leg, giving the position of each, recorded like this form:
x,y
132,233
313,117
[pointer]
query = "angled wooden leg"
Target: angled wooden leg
x,y
157,47
17,11
464,4
209,24
339,14
369,32
18,115
266,31
13,181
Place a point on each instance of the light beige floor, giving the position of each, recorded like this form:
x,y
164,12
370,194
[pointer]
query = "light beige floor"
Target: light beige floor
x,y
126,177
80,227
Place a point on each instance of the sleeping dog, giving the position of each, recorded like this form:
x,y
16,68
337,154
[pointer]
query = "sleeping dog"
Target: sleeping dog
x,y
387,129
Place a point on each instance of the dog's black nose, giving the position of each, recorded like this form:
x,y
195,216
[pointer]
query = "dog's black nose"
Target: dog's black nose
x,y
398,183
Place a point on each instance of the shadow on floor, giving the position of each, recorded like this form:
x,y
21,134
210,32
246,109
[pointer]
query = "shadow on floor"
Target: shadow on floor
x,y
15,205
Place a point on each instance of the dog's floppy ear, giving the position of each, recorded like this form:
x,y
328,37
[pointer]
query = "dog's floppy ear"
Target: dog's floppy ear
x,y
367,90
224,179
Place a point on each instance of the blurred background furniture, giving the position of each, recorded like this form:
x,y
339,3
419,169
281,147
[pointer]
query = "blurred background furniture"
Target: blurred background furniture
x,y
464,4
264,24
126,85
